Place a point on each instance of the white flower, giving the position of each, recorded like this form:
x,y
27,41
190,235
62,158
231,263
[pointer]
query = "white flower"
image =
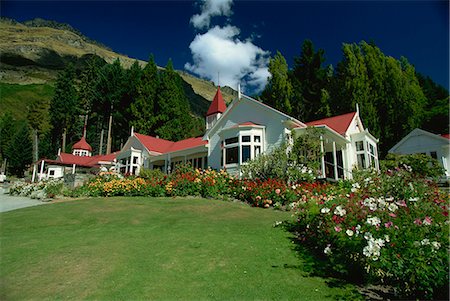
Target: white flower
x,y
393,207
340,211
435,245
387,238
370,203
413,199
381,203
374,221
349,232
355,187
425,242
277,223
389,199
416,244
325,210
327,250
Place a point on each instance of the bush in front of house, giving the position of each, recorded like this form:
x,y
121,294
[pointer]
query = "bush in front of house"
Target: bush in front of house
x,y
390,227
419,164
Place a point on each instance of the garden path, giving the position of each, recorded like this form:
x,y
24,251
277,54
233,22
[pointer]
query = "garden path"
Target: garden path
x,y
8,202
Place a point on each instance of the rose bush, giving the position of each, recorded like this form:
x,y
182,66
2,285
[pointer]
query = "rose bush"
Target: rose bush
x,y
389,227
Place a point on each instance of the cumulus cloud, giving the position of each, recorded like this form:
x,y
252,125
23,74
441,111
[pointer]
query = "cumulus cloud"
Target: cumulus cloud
x,y
211,8
221,51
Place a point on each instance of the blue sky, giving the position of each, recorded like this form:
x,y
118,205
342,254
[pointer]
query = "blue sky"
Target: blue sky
x,y
241,35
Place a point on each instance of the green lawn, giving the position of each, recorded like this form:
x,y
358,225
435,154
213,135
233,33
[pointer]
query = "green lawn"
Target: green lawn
x,y
147,248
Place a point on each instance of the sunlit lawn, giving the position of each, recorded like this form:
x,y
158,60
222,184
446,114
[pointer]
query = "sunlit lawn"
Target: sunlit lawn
x,y
147,248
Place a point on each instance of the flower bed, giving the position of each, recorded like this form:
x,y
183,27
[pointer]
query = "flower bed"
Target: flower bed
x,y
390,228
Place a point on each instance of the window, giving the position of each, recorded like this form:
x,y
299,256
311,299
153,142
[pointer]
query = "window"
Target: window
x,y
433,155
245,138
135,160
257,139
52,172
257,151
361,160
359,145
231,155
231,140
245,153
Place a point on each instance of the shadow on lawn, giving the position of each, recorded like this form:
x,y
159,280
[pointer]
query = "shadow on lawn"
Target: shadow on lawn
x,y
347,277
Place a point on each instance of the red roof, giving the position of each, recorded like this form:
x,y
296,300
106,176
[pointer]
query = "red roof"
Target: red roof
x,y
218,104
154,144
69,159
446,136
338,123
82,144
165,146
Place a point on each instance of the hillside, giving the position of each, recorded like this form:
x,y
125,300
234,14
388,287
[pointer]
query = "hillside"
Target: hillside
x,y
32,55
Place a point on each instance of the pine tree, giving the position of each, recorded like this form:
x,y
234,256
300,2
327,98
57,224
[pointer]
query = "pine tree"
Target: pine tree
x,y
309,80
19,152
174,121
143,107
64,108
278,92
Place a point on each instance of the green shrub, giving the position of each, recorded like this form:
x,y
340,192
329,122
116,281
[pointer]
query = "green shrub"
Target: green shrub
x,y
419,164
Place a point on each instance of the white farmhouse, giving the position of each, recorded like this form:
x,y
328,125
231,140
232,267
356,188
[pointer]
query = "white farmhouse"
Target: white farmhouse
x,y
247,128
423,142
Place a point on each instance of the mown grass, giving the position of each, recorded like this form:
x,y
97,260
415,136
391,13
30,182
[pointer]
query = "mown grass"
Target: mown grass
x,y
153,248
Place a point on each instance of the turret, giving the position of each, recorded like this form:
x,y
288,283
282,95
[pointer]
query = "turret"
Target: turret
x,y
82,148
216,109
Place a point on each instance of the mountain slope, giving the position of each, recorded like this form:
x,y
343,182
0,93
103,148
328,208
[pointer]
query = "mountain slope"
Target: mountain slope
x,y
33,54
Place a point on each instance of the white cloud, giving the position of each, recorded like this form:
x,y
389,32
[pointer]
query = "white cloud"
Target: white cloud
x,y
220,50
211,8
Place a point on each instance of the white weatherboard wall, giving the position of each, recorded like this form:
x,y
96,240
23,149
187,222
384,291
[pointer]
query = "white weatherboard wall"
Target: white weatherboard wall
x,y
245,110
420,141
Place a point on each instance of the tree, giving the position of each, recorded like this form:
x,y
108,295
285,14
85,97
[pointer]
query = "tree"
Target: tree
x,y
143,108
19,152
7,130
278,92
174,120
310,79
64,107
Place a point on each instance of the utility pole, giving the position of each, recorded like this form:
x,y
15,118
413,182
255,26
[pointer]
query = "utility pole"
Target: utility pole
x,y
109,142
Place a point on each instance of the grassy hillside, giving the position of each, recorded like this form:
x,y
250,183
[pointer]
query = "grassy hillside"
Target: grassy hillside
x,y
16,98
31,57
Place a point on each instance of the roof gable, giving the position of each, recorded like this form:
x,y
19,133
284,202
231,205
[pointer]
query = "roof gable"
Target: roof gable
x,y
153,143
417,133
82,144
217,105
339,123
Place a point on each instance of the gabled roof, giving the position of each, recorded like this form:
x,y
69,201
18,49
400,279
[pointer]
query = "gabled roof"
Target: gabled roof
x,y
187,143
154,144
418,132
165,146
82,144
217,105
338,123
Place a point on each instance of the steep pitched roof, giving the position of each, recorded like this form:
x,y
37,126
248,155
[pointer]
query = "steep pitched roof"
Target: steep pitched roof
x,y
154,144
165,146
218,104
82,144
187,143
338,123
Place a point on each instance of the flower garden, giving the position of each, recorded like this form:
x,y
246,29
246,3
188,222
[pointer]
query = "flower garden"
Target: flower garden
x,y
389,228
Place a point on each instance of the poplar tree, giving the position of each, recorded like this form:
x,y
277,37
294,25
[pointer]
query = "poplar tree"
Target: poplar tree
x,y
19,151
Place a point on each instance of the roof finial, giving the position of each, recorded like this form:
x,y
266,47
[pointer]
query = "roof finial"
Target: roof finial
x,y
357,108
218,78
239,90
132,131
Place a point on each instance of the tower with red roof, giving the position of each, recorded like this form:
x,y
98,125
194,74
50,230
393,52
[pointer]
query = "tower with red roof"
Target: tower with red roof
x,y
216,109
82,148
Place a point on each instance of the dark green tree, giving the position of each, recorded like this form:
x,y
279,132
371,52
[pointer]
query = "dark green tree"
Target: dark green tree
x,y
310,79
143,107
65,108
19,152
7,129
174,120
278,92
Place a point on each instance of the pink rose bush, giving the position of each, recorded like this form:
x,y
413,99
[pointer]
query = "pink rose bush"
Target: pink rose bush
x,y
390,227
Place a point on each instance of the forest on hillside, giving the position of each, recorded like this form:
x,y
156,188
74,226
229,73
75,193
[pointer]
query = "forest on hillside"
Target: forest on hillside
x,y
393,100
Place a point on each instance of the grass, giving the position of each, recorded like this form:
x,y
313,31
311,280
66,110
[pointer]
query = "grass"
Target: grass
x,y
16,98
147,248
